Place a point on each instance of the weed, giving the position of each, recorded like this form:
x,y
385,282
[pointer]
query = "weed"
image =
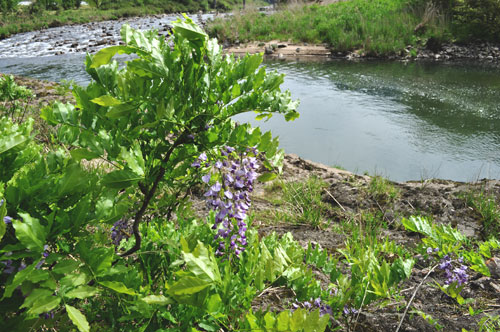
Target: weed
x,y
487,206
382,190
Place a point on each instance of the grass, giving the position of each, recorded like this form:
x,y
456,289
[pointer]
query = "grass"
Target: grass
x,y
488,207
382,190
299,202
378,27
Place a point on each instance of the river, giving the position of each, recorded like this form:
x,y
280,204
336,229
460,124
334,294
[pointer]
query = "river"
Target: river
x,y
404,121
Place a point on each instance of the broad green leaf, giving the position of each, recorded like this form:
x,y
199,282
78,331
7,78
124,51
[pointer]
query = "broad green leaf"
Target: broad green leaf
x,y
269,321
104,56
121,110
81,292
214,303
30,232
11,141
3,213
189,30
106,100
157,299
77,318
298,319
44,304
134,159
120,179
202,264
19,278
188,285
82,153
267,177
283,321
35,295
118,287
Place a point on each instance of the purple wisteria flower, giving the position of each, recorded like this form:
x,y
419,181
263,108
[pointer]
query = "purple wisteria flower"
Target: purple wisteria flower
x,y
453,273
313,305
349,310
119,231
229,197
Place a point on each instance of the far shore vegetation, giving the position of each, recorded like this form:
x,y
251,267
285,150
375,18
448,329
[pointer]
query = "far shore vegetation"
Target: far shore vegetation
x,y
40,14
378,27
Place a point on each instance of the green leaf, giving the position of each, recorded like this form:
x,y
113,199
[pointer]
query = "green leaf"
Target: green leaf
x,y
267,177
298,319
3,225
30,232
202,264
118,287
44,304
121,110
35,295
106,100
77,318
82,153
269,321
157,299
120,179
104,56
11,141
189,30
188,285
81,292
283,321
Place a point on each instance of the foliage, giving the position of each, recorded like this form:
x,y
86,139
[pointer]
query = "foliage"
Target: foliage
x,y
379,27
487,207
13,98
148,121
8,5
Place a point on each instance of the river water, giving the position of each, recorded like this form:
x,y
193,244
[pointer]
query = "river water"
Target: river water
x,y
405,121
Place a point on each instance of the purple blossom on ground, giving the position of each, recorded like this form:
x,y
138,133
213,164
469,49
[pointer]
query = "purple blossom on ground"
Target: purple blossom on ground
x,y
313,305
452,273
349,310
7,220
229,198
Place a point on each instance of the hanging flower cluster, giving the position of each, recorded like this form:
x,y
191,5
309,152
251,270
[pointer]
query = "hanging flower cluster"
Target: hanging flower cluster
x,y
119,231
231,182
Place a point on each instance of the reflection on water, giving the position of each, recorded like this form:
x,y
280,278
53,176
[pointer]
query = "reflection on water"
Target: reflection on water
x,y
405,121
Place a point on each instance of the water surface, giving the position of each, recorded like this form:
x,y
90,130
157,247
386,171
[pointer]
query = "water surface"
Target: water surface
x,y
405,121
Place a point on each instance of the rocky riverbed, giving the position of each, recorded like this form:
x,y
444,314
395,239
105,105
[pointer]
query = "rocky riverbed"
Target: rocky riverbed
x,y
82,38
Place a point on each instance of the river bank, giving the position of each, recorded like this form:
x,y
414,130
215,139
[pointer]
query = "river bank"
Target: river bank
x,y
328,208
486,52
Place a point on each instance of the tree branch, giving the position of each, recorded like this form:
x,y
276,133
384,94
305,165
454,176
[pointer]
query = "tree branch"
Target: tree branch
x,y
149,195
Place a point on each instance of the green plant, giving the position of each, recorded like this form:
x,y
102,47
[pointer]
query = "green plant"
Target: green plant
x,y
382,189
304,200
487,207
149,122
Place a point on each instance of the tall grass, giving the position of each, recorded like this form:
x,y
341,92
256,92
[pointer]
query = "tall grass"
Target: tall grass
x,y
377,27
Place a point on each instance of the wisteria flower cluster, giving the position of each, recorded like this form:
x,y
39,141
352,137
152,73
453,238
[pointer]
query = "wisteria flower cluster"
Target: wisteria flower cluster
x,y
313,305
231,181
119,231
453,273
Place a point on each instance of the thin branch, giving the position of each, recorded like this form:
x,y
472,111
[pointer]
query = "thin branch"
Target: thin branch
x,y
413,296
343,209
